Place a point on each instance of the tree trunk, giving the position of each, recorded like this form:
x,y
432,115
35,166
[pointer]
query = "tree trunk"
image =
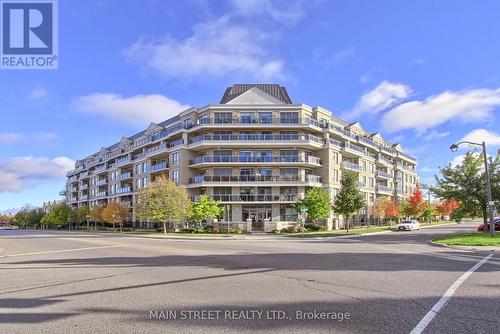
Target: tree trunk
x,y
114,228
485,220
347,224
165,228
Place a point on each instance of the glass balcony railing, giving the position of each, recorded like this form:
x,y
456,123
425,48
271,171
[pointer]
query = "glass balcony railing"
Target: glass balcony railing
x,y
384,160
352,166
254,198
254,159
252,178
384,174
256,137
158,166
385,189
100,182
356,148
125,176
102,194
124,190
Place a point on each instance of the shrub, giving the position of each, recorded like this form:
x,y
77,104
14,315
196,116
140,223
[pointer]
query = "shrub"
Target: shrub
x,y
188,230
276,231
208,229
312,227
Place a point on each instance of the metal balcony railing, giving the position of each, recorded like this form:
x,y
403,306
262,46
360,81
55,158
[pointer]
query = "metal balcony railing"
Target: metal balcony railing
x,y
256,137
254,198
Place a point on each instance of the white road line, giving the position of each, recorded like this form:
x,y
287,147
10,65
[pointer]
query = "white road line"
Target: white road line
x,y
447,295
62,251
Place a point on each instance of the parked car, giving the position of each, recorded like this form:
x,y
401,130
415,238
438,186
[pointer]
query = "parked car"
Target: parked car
x,y
6,227
480,227
408,225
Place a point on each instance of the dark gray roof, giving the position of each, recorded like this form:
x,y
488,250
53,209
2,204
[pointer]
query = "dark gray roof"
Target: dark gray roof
x,y
273,89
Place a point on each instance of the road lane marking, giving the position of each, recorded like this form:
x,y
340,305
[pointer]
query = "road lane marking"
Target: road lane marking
x,y
426,320
62,251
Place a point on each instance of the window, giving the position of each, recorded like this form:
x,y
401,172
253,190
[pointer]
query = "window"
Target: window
x,y
246,156
138,184
203,119
370,182
188,123
145,167
265,171
335,175
289,171
138,169
222,171
288,213
223,118
175,158
289,117
335,157
265,117
145,181
247,118
175,176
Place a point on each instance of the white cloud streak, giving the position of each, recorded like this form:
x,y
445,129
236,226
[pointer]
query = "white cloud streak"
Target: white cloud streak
x,y
466,106
19,173
138,110
480,135
382,97
216,48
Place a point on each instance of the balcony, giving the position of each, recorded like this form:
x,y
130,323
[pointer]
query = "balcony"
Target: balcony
x,y
255,198
257,121
206,159
335,142
313,178
102,194
101,182
151,151
383,175
62,193
84,197
253,178
388,150
367,141
123,160
125,176
352,166
314,160
384,189
158,167
73,189
84,186
124,190
384,161
361,184
261,139
408,168
354,149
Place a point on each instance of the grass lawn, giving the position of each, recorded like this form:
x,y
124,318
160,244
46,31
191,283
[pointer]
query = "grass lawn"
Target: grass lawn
x,y
470,239
337,233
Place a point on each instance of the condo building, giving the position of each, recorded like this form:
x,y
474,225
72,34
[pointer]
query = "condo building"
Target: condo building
x,y
256,152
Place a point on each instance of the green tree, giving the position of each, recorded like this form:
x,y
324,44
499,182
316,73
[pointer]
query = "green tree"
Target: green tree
x,y
429,212
205,207
466,184
115,213
163,201
57,215
317,203
350,199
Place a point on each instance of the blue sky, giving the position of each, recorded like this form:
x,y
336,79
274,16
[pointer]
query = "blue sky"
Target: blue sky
x,y
423,73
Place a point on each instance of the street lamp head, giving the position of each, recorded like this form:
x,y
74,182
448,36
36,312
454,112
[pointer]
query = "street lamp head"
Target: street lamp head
x,y
454,147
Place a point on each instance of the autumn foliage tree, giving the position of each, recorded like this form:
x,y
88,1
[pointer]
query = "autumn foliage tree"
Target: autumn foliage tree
x,y
392,210
446,207
379,209
415,206
115,213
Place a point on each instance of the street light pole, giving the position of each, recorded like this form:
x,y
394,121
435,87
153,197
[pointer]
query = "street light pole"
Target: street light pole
x,y
488,189
490,203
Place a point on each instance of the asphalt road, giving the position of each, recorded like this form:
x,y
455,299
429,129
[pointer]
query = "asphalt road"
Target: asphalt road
x,y
66,283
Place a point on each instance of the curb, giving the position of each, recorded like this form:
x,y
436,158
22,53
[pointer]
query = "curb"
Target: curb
x,y
469,248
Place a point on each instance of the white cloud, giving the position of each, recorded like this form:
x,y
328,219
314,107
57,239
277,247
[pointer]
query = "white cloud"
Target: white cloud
x,y
138,110
19,173
37,93
287,12
436,135
466,106
11,137
215,48
428,169
457,160
480,135
382,97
